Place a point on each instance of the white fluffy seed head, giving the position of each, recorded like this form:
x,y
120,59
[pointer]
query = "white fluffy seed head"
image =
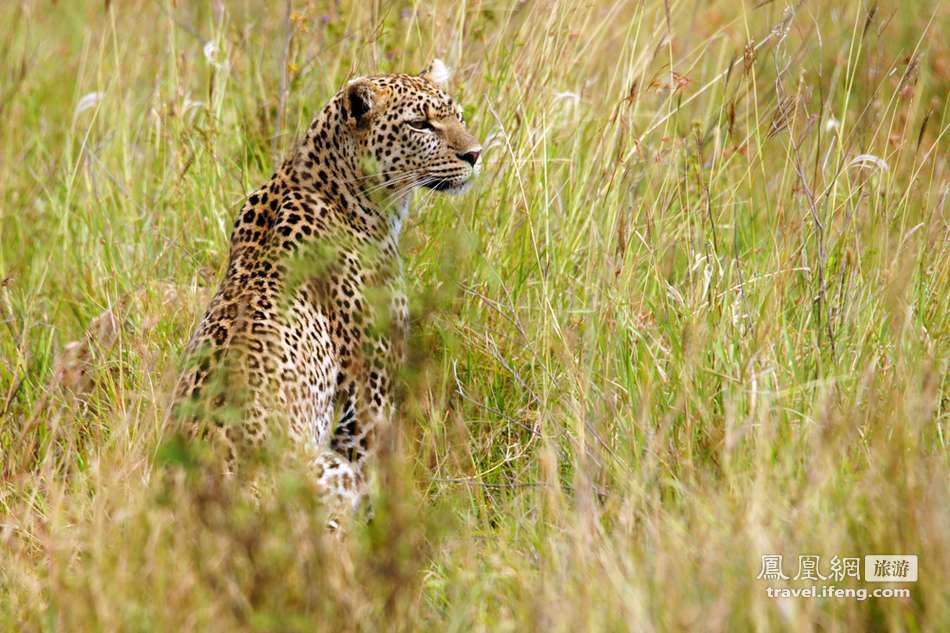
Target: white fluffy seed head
x,y
438,73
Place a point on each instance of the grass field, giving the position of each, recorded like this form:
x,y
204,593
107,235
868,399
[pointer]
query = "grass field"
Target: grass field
x,y
694,313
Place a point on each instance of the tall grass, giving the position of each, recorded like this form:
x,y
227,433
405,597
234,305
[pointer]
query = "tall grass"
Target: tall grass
x,y
694,313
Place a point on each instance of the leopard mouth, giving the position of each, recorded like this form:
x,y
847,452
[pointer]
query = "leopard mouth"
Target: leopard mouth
x,y
448,185
439,184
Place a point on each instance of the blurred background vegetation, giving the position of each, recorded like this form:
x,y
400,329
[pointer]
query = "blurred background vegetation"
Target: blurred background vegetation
x,y
690,316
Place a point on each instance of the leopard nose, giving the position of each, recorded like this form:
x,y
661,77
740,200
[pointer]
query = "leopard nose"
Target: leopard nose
x,y
471,156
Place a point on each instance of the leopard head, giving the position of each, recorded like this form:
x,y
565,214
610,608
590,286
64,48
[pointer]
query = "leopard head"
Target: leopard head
x,y
409,133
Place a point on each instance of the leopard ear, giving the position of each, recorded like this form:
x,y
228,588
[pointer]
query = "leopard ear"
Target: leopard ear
x,y
361,101
437,73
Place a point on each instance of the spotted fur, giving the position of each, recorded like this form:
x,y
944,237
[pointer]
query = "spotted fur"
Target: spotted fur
x,y
307,328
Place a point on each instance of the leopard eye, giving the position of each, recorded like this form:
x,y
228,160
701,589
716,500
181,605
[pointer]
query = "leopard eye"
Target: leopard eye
x,y
421,124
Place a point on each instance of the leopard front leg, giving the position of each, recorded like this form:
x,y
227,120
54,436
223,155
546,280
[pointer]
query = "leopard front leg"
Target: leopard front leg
x,y
366,389
340,486
366,399
341,468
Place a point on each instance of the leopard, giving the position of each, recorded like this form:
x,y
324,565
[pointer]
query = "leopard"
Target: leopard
x,y
307,332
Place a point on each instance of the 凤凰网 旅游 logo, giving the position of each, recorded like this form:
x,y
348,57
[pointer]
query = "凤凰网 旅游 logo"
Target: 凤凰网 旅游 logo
x,y
877,568
821,576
